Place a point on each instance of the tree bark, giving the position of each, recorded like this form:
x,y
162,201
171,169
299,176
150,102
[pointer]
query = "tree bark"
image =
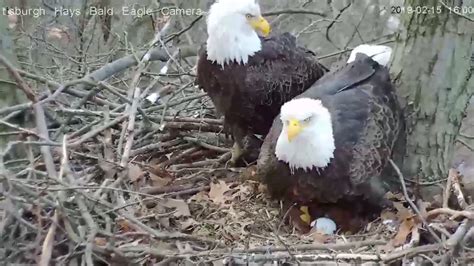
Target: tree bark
x,y
9,95
432,68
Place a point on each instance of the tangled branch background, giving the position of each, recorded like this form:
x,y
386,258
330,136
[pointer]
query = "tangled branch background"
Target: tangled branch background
x,y
119,158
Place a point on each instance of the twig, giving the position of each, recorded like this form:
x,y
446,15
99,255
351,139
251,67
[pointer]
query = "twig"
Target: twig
x,y
184,30
22,85
464,135
155,147
455,12
457,190
454,213
456,238
97,131
110,88
130,128
178,102
245,259
334,21
47,247
39,115
69,90
349,49
119,65
294,11
412,205
465,144
188,191
23,130
206,145
193,126
440,228
411,252
43,131
469,236
194,120
18,107
179,157
306,247
447,189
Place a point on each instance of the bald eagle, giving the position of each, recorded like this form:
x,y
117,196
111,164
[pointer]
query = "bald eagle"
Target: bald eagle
x,y
379,53
332,142
249,77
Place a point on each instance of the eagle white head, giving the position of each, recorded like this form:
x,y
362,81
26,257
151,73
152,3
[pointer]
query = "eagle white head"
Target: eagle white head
x,y
379,53
232,27
306,140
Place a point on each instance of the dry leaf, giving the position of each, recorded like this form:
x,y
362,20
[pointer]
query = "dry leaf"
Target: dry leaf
x,y
130,244
217,192
108,168
250,173
135,173
402,212
167,89
403,231
124,226
388,215
184,247
244,225
199,197
391,196
231,211
164,221
243,191
158,181
188,224
182,208
100,241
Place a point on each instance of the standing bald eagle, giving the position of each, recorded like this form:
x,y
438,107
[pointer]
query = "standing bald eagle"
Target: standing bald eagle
x,y
249,77
332,142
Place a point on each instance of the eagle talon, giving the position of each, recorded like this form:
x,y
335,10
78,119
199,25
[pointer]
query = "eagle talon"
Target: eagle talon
x,y
299,218
305,216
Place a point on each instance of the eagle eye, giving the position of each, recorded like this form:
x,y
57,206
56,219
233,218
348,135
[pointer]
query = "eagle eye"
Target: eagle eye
x,y
306,120
248,16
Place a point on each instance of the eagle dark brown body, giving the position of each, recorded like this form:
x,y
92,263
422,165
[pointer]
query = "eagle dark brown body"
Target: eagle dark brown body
x,y
250,96
366,119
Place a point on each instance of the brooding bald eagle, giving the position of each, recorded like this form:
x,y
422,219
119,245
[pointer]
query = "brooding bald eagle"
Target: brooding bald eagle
x,y
379,53
249,77
332,142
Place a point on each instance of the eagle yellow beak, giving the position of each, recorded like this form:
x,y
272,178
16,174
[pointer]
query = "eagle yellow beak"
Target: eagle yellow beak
x,y
260,24
294,128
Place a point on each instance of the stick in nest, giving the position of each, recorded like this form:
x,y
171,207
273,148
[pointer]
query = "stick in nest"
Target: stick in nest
x,y
412,204
130,133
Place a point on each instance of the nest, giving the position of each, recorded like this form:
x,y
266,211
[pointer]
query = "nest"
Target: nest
x,y
104,176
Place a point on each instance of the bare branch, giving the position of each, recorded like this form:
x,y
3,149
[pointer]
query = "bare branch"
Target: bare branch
x,y
294,11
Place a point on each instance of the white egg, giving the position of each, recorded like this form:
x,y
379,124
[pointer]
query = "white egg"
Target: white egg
x,y
324,225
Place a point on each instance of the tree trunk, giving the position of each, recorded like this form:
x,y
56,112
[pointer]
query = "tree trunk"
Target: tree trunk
x,y
9,95
432,68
